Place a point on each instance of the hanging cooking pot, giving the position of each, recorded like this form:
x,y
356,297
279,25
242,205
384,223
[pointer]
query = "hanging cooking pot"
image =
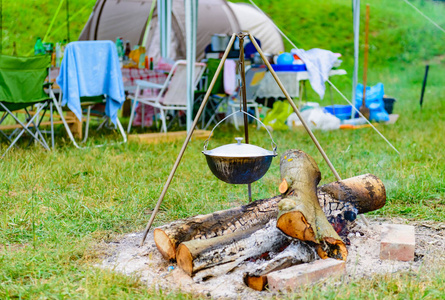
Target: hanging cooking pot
x,y
239,163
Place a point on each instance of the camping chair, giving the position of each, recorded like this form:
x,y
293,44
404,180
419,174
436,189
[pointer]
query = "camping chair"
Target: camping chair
x,y
21,87
254,75
172,94
90,74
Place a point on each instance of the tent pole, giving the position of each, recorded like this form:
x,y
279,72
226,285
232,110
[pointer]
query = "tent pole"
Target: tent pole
x,y
164,8
187,139
356,27
191,21
147,27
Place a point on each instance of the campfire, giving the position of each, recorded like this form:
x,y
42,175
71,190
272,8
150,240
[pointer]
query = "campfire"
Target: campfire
x,y
303,224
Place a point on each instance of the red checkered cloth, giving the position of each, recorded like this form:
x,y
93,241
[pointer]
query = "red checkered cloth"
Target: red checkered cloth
x,y
130,75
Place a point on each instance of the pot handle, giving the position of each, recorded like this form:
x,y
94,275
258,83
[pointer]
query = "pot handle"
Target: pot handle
x,y
274,145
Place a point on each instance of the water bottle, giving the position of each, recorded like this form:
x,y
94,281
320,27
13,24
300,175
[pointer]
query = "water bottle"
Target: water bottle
x,y
120,48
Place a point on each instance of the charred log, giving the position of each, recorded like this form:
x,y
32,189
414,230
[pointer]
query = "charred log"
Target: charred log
x,y
296,253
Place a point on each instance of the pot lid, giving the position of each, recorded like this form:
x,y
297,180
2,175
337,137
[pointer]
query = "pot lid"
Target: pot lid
x,y
239,150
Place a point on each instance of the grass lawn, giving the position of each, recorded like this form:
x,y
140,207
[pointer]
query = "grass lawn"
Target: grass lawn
x,y
57,207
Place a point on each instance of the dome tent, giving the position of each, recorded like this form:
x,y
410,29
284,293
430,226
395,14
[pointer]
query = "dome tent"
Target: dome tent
x,y
128,19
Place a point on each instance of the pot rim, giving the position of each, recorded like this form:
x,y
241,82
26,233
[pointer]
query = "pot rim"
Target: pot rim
x,y
245,157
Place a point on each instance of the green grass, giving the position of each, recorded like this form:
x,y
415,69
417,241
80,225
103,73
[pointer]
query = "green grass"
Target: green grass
x,y
57,207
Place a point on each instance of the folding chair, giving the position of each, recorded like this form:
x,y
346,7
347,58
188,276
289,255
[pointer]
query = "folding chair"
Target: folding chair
x,y
90,73
21,87
172,94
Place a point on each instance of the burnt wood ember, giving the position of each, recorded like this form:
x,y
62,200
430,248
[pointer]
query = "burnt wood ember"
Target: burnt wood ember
x,y
296,253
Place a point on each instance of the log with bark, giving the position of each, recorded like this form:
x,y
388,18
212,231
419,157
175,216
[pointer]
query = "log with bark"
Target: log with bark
x,y
168,237
300,214
196,255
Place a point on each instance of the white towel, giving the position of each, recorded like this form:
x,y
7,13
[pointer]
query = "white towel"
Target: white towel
x,y
318,63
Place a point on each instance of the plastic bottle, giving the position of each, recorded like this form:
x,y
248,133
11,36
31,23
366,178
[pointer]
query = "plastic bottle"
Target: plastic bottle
x,y
127,50
151,63
38,47
120,48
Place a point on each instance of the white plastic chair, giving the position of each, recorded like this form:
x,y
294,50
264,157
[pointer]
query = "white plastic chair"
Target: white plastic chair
x,y
172,94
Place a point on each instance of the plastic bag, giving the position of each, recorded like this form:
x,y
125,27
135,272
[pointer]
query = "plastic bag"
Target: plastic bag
x,y
277,116
374,101
316,118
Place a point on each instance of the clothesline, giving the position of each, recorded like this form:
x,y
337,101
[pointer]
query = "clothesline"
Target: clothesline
x,y
327,79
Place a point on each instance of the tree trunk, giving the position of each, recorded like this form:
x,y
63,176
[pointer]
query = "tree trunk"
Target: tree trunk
x,y
168,237
195,255
300,214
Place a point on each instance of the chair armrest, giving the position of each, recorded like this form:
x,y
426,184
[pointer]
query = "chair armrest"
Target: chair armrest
x,y
149,85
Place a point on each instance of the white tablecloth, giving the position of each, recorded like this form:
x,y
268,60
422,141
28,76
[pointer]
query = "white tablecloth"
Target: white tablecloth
x,y
269,88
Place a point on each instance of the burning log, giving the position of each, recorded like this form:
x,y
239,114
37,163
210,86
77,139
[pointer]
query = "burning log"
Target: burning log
x,y
300,214
343,200
364,193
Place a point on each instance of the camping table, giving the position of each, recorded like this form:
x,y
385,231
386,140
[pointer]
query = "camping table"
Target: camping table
x,y
291,81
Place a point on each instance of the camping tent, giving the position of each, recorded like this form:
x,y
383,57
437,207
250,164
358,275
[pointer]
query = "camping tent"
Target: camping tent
x,y
128,19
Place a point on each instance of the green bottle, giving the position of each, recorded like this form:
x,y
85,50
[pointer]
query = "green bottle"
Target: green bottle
x,y
38,47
